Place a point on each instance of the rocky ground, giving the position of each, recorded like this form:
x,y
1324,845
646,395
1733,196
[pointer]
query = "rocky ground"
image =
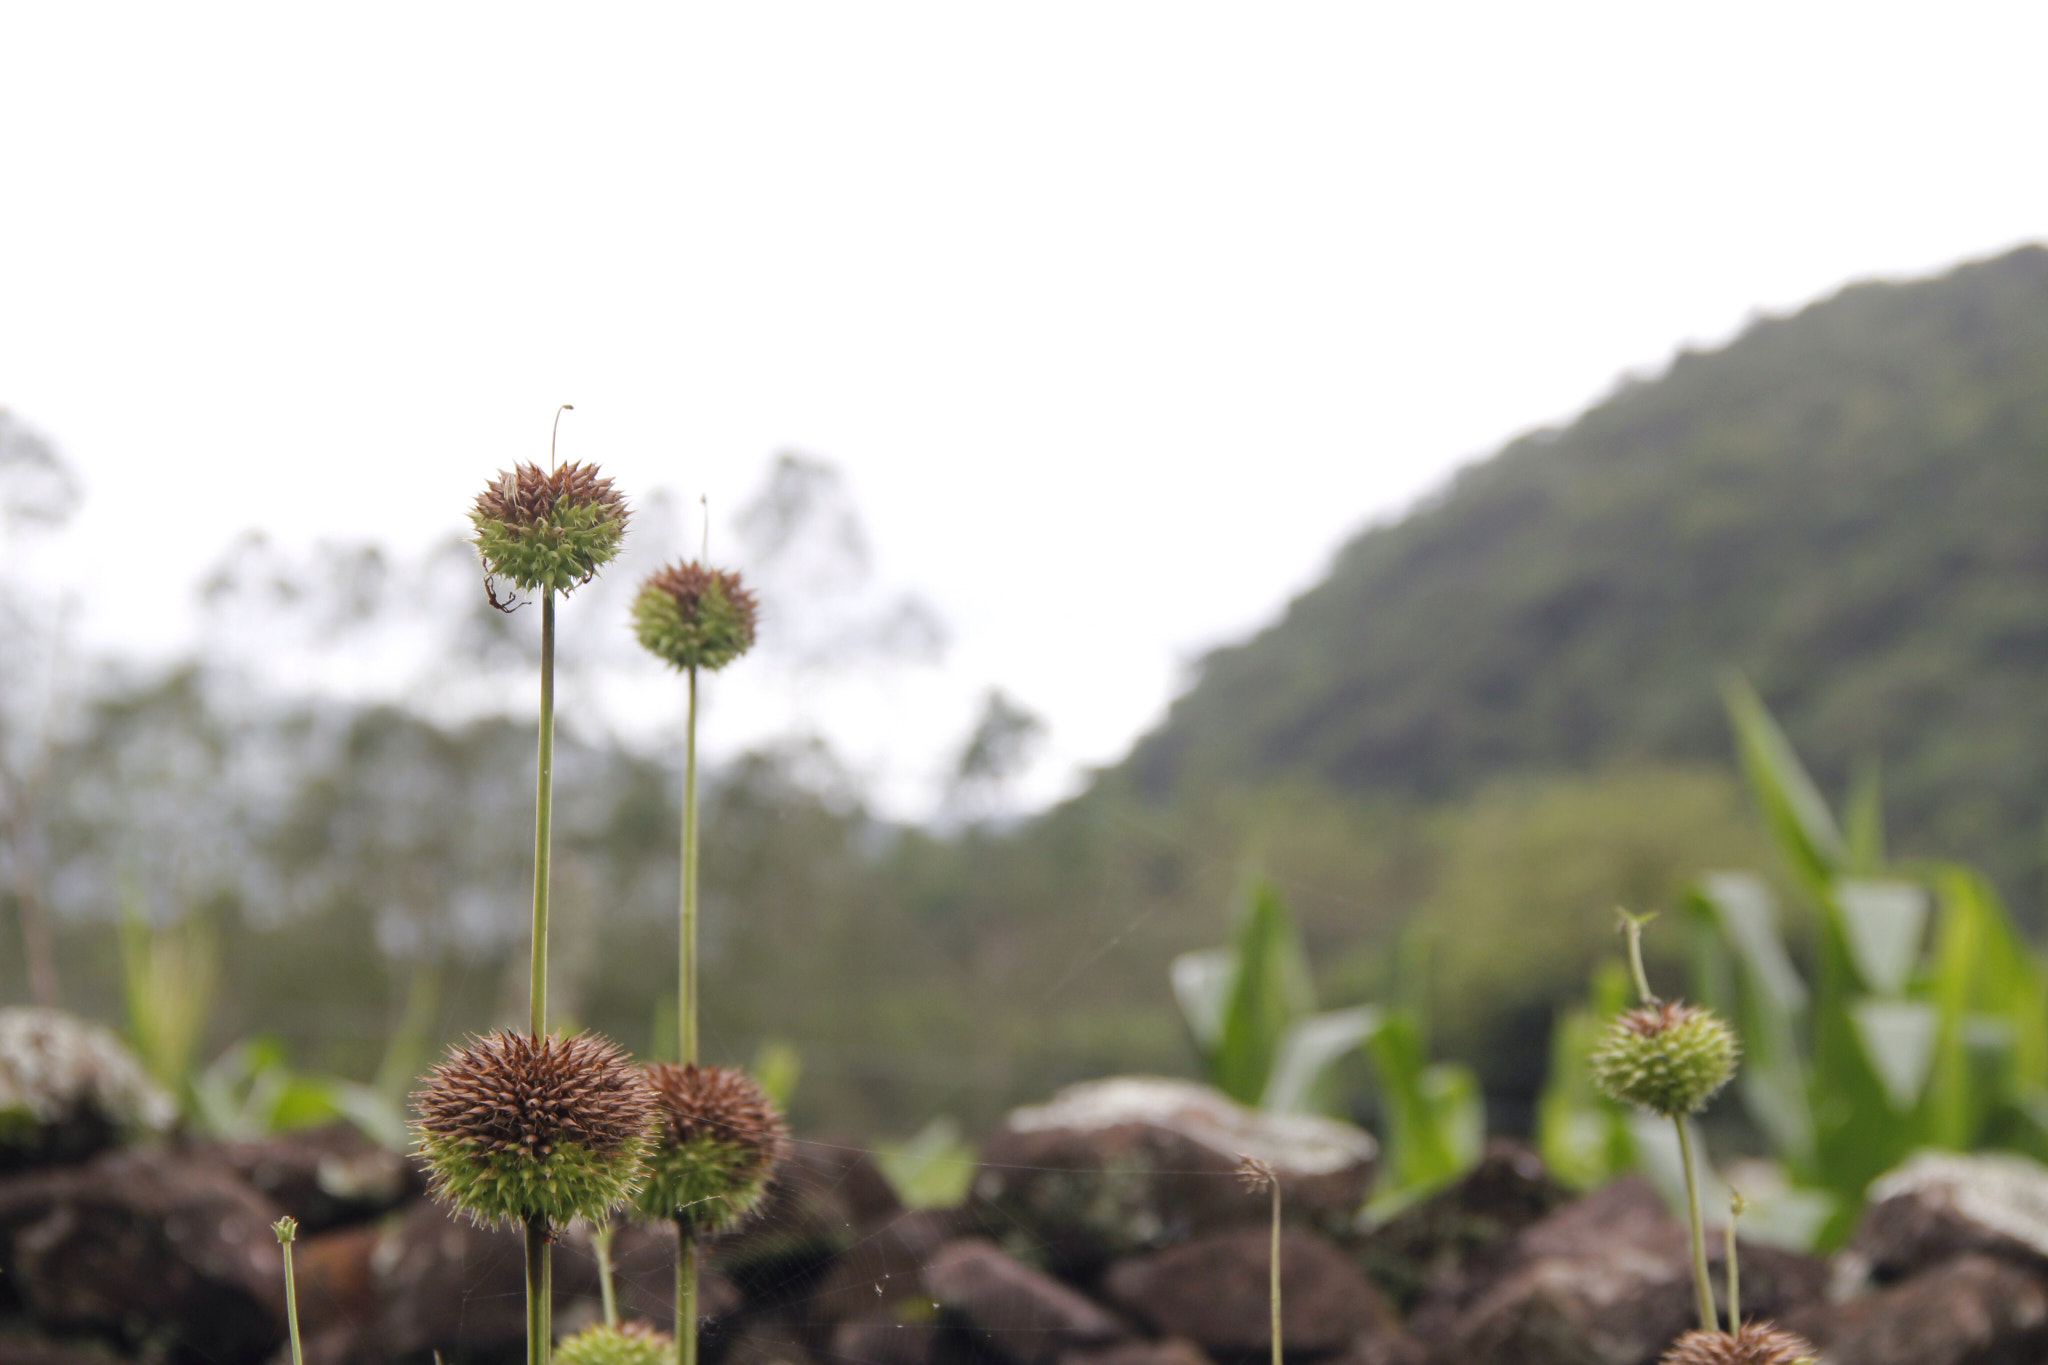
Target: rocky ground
x,y
1106,1228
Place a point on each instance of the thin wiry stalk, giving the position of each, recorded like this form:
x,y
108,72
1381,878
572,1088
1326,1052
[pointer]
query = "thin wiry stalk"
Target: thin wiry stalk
x,y
1702,1283
686,1002
686,1293
543,818
1275,1273
601,1242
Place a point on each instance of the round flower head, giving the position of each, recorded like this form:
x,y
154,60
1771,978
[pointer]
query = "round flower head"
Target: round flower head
x,y
511,1126
633,1343
1667,1058
1755,1343
694,616
720,1140
548,530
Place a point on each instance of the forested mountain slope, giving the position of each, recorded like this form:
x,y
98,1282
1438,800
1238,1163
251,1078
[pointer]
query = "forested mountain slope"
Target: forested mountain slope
x,y
1849,504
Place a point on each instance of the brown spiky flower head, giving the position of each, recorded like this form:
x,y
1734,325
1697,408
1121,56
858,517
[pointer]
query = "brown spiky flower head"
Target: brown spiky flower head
x,y
720,1140
695,616
632,1343
1756,1343
512,1126
548,530
1669,1058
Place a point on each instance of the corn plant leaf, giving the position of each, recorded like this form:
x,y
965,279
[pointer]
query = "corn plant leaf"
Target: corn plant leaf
x,y
1898,1038
1201,986
1309,1048
1884,923
1269,990
1423,1117
1733,913
1584,1137
1792,807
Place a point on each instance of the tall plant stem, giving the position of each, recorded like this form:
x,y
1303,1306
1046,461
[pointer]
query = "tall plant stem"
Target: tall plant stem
x,y
539,1272
686,1293
1702,1284
601,1243
540,1292
686,986
543,817
1275,1273
291,1306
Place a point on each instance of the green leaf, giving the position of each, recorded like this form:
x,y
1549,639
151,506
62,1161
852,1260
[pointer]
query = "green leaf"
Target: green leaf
x,y
1898,1037
1735,911
1201,985
933,1168
1269,989
1308,1050
1865,822
1582,1135
1884,923
1429,1111
1792,806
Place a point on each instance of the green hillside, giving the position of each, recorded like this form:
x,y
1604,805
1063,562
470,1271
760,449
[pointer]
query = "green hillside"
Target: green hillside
x,y
1849,504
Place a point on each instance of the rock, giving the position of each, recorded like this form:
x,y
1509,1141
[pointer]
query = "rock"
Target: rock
x,y
1012,1310
821,1201
764,1339
69,1089
146,1243
1214,1292
884,1341
1115,1167
336,1287
882,1277
1941,1204
644,1276
1458,1230
1171,1351
324,1177
38,1350
1603,1281
1974,1310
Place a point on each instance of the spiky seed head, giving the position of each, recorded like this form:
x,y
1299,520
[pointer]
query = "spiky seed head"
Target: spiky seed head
x,y
550,530
511,1126
719,1142
632,1343
1755,1343
1669,1058
695,616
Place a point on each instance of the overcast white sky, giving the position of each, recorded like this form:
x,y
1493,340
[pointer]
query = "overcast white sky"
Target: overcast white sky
x,y
1119,317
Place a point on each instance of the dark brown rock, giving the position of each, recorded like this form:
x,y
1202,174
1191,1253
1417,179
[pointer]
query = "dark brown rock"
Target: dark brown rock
x,y
1460,1229
644,1276
332,1275
1214,1292
762,1339
1131,1164
324,1177
1171,1351
885,1340
147,1243
1016,1312
1941,1205
1975,1310
884,1269
821,1202
1603,1281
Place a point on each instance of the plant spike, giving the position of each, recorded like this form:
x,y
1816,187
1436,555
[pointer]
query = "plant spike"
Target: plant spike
x,y
287,1230
1259,1175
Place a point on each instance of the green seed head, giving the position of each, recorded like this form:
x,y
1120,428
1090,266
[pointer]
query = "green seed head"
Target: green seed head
x,y
548,530
720,1142
694,616
511,1127
1668,1058
634,1343
1754,1343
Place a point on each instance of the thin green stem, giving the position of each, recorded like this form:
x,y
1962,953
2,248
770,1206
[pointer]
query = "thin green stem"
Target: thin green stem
x,y
1632,926
1275,1273
291,1306
543,817
1702,1283
686,1293
539,1291
686,1001
601,1243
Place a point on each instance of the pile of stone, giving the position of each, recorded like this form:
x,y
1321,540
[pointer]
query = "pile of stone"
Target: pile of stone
x,y
1103,1228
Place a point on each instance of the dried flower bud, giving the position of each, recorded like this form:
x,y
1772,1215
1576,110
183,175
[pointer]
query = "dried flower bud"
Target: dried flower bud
x,y
511,1126
287,1230
1667,1058
720,1140
1756,1343
633,1343
694,616
1254,1174
548,530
